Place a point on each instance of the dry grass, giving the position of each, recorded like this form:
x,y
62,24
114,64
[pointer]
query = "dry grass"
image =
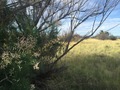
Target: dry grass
x,y
93,65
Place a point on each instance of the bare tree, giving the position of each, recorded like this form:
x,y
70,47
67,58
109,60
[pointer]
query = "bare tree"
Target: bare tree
x,y
45,13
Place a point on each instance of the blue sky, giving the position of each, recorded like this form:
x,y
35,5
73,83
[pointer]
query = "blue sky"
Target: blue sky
x,y
111,21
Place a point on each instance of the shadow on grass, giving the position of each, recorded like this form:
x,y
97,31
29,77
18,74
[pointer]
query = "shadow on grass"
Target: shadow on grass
x,y
89,72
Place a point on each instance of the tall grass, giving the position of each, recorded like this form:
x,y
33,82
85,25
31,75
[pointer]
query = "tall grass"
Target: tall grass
x,y
93,65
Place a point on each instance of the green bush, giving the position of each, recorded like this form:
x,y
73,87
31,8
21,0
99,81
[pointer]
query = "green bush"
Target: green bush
x,y
26,54
113,37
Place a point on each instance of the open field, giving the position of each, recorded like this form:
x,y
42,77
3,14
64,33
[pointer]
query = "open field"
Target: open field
x,y
93,65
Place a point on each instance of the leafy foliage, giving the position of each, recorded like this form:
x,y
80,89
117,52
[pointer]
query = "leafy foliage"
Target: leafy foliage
x,y
26,55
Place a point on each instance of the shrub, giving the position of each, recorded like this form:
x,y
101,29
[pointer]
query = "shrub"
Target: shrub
x,y
103,35
21,48
113,37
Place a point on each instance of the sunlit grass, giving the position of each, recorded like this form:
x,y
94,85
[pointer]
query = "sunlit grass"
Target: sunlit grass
x,y
93,65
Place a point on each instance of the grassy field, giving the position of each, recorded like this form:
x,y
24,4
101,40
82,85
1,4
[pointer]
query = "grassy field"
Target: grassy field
x,y
93,65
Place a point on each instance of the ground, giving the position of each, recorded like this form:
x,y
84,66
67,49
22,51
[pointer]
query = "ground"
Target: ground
x,y
92,65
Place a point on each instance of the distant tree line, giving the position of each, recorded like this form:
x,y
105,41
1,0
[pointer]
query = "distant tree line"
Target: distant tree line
x,y
102,35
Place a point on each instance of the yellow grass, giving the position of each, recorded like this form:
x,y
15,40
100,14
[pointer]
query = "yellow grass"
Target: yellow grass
x,y
94,46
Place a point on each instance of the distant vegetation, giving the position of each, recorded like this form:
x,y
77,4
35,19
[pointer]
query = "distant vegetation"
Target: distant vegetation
x,y
104,35
66,36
